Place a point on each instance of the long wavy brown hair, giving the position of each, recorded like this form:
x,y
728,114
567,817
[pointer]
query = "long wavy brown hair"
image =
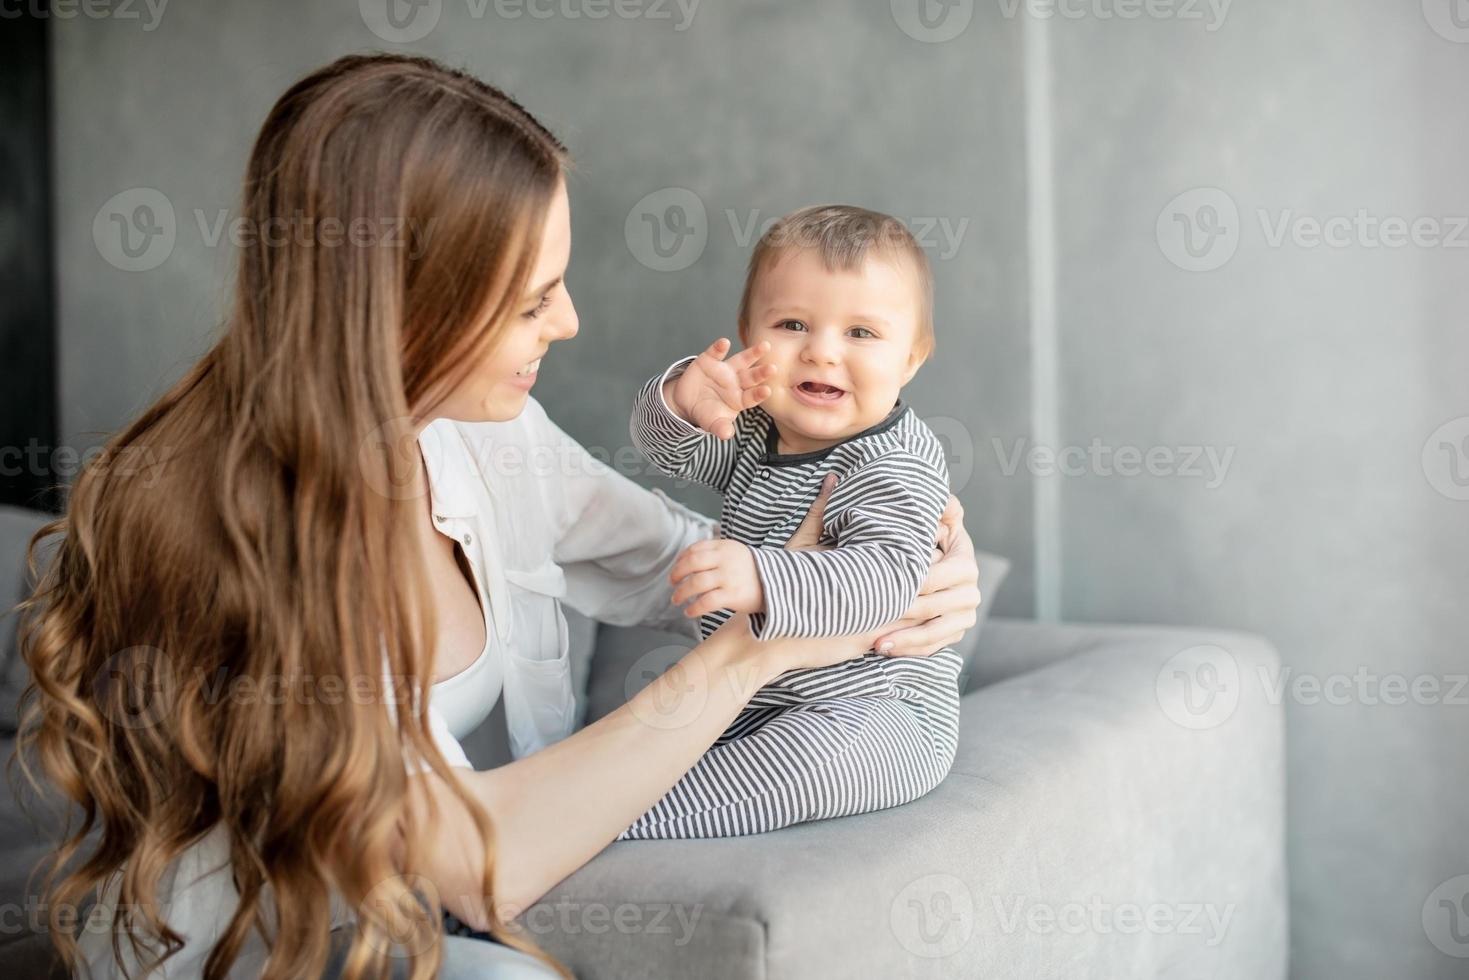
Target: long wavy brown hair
x,y
246,530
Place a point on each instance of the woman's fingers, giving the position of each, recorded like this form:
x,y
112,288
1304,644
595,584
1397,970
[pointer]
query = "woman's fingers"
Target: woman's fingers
x,y
946,573
921,640
808,533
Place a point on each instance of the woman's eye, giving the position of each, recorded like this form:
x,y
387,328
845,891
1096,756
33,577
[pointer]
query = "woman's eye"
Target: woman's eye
x,y
862,333
539,307
790,325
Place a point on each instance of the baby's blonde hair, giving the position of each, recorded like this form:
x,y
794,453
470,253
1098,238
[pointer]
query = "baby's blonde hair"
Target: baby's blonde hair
x,y
844,235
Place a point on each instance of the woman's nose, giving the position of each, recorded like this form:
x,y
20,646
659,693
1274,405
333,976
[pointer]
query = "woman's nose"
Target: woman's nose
x,y
563,326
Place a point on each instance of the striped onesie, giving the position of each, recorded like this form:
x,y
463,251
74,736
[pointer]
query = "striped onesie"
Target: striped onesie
x,y
861,735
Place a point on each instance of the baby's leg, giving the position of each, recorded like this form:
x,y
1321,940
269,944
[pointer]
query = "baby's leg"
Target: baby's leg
x,y
821,755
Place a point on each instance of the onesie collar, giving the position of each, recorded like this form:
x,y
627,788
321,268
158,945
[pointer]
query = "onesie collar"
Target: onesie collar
x,y
772,458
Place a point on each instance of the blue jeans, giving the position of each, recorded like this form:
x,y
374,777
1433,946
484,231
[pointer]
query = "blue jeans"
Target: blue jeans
x,y
466,957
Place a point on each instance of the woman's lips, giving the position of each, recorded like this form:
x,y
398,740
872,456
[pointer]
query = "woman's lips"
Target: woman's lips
x,y
818,399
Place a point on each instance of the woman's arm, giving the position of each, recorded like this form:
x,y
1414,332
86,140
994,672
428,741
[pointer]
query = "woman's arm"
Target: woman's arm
x,y
544,826
613,539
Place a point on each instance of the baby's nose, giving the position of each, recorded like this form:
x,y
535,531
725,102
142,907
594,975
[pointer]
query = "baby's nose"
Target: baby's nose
x,y
822,350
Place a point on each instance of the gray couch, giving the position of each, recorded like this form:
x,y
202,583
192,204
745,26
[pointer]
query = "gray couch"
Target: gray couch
x,y
1116,809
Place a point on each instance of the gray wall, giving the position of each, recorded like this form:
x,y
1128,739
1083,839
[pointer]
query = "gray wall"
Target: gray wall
x,y
746,107
1323,369
1326,369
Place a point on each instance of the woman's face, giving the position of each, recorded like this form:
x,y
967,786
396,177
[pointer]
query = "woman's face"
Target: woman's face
x,y
496,390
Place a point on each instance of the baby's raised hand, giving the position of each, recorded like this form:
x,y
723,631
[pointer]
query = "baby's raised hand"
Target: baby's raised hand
x,y
717,574
712,391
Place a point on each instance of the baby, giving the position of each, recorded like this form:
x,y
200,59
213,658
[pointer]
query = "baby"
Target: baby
x,y
836,318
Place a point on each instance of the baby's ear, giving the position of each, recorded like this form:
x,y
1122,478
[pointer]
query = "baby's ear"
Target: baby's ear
x,y
916,360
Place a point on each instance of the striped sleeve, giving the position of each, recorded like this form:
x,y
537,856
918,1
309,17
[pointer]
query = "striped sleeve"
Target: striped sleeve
x,y
679,448
884,517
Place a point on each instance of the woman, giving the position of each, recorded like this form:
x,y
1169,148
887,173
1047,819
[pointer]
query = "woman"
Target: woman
x,y
251,663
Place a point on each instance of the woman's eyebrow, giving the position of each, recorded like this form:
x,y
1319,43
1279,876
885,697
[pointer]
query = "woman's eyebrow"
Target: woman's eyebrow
x,y
543,290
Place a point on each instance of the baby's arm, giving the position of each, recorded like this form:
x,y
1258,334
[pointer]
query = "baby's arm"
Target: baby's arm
x,y
686,419
884,517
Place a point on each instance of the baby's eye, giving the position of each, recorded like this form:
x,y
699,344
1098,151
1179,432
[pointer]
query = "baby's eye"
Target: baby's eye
x,y
862,333
790,325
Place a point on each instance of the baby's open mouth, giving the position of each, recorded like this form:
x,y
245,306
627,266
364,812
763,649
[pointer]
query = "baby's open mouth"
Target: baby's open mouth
x,y
817,390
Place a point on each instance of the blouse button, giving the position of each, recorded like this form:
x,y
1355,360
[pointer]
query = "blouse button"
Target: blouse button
x,y
764,474
468,540
440,518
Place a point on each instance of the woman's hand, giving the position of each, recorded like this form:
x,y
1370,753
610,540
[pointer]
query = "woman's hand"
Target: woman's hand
x,y
948,599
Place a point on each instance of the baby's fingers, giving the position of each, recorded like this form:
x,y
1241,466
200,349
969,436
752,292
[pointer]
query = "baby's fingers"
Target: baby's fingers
x,y
699,557
754,396
752,376
749,356
695,585
707,603
717,350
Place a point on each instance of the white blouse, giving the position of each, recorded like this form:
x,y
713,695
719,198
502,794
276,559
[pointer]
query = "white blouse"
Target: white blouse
x,y
541,522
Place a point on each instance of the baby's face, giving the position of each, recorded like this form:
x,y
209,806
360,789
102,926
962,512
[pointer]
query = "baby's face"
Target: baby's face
x,y
842,343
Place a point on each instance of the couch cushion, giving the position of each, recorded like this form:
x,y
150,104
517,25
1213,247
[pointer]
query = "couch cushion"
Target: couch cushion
x,y
1084,830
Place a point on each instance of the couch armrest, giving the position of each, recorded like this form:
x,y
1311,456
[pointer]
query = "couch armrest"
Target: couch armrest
x,y
1096,822
1009,647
